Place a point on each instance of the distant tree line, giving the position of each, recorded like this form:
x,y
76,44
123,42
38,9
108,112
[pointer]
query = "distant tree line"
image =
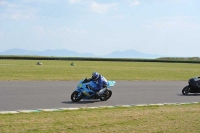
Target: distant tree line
x,y
163,59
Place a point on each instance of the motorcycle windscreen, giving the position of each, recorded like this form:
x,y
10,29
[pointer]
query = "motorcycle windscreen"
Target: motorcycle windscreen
x,y
111,83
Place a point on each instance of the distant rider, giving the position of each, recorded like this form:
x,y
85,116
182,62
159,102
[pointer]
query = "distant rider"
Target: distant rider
x,y
100,81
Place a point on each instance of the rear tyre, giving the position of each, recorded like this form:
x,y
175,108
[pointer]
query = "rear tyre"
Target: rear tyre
x,y
75,98
106,95
186,90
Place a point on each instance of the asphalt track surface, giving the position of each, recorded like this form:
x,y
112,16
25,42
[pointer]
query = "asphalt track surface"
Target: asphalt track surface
x,y
31,95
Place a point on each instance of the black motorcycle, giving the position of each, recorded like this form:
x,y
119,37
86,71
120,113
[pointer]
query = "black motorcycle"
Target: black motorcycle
x,y
193,86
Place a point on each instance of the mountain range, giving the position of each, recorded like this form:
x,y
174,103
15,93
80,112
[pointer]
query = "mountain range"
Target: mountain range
x,y
68,53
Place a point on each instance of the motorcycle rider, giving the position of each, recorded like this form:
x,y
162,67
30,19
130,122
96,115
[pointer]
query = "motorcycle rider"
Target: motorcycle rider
x,y
100,81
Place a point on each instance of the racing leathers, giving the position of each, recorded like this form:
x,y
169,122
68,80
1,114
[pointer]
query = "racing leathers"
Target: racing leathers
x,y
101,83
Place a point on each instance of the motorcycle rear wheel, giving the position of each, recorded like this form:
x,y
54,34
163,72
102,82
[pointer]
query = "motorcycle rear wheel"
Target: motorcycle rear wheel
x,y
186,90
75,98
106,96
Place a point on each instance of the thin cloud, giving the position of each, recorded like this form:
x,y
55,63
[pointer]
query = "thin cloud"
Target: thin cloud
x,y
134,3
40,1
74,1
2,2
7,4
75,31
17,11
18,14
102,8
66,30
40,32
174,23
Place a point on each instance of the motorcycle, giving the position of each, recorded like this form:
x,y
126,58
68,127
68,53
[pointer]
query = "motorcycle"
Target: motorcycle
x,y
84,91
192,87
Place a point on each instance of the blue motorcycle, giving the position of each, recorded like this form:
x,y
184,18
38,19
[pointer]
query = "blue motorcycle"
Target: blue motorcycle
x,y
84,91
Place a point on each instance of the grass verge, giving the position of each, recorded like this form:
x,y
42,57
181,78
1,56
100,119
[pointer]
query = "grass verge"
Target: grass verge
x,y
62,70
157,119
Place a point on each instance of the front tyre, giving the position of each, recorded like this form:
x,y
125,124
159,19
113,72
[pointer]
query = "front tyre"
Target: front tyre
x,y
106,95
186,90
75,97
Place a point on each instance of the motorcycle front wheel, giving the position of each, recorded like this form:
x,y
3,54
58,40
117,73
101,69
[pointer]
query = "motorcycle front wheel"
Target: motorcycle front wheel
x,y
106,95
186,90
75,98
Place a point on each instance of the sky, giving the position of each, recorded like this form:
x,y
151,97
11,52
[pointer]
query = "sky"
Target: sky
x,y
164,27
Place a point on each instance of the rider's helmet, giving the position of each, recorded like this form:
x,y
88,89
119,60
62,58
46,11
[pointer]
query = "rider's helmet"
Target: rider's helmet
x,y
95,75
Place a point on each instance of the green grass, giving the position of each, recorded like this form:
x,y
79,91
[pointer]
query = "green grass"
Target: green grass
x,y
62,70
153,119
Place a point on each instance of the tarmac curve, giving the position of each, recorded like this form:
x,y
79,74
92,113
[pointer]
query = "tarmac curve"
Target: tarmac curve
x,y
31,95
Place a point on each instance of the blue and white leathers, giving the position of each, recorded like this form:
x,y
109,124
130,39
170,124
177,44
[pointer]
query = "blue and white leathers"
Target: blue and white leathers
x,y
101,83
